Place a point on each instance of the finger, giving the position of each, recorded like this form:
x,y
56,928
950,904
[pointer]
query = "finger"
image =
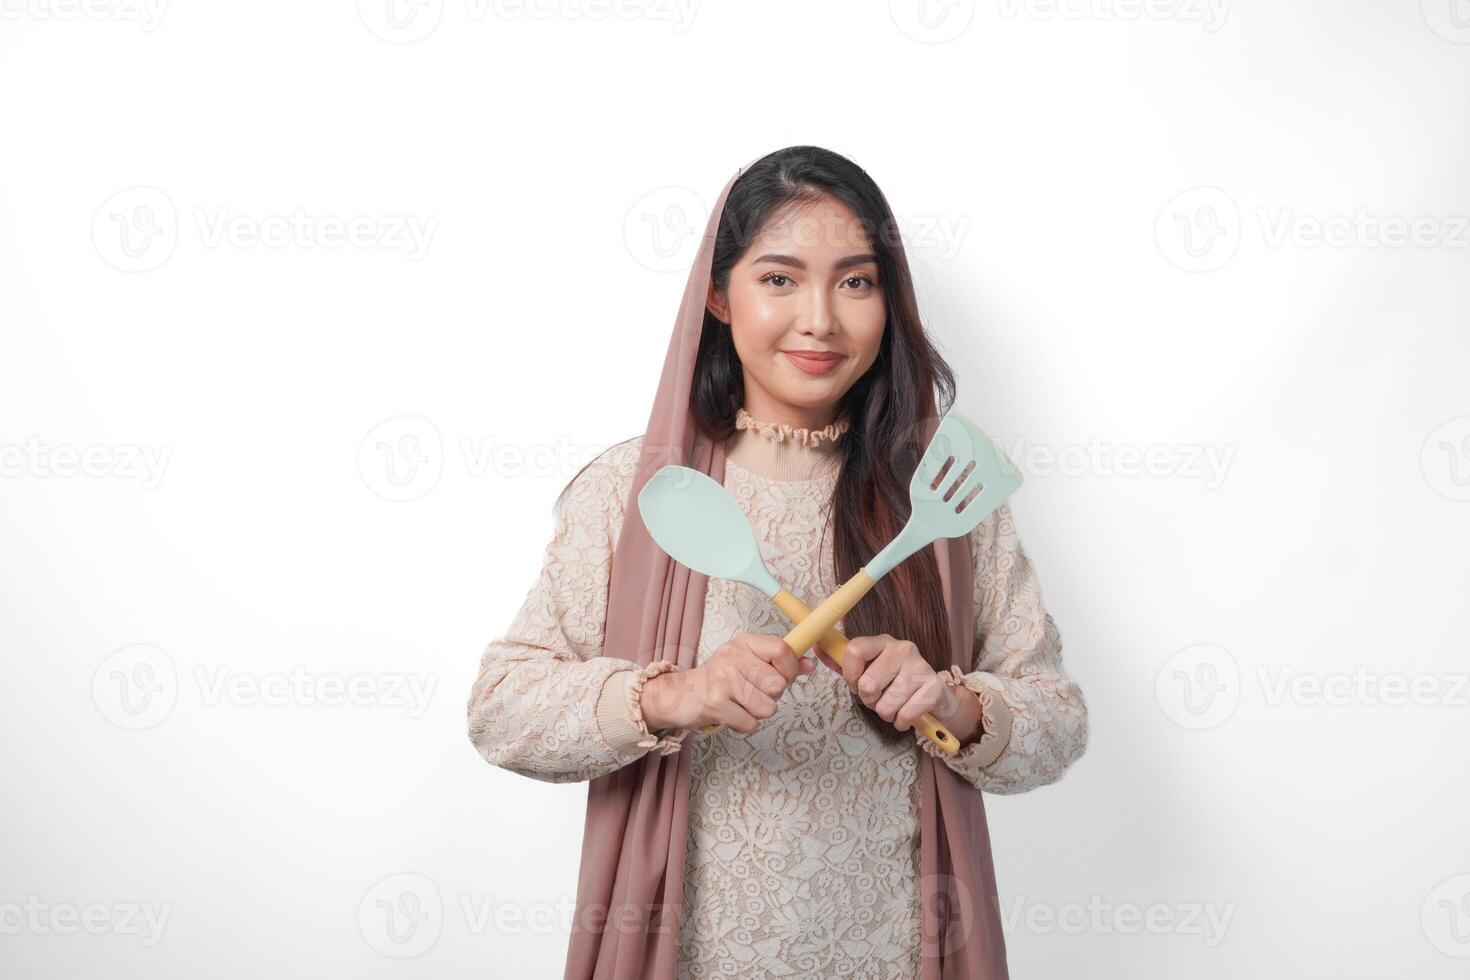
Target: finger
x,y
732,714
774,651
832,665
926,698
761,677
882,673
860,651
758,705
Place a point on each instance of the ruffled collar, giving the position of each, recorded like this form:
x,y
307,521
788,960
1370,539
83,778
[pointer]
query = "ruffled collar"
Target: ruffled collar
x,y
782,432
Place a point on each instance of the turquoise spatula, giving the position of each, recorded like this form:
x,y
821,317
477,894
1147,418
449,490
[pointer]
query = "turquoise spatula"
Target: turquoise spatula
x,y
696,521
961,479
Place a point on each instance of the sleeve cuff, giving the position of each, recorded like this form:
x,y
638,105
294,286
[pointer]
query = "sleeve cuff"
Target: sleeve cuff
x,y
995,723
620,714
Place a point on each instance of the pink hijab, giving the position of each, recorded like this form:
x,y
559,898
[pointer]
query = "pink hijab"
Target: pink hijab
x,y
631,890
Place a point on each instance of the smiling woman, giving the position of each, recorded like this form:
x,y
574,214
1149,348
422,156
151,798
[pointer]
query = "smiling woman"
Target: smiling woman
x,y
808,300
814,833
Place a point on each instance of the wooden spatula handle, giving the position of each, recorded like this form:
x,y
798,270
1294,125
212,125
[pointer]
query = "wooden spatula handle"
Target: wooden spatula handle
x,y
834,644
808,630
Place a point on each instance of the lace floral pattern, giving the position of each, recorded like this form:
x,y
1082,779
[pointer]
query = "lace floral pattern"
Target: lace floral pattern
x,y
803,839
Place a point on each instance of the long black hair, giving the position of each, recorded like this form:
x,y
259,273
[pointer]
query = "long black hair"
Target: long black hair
x,y
909,383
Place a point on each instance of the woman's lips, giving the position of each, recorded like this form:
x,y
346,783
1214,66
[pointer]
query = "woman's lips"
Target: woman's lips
x,y
812,362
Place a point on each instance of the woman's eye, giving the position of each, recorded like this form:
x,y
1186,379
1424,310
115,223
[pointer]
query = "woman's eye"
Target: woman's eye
x,y
771,277
860,280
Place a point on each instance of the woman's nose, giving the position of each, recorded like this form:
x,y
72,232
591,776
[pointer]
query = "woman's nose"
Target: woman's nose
x,y
817,318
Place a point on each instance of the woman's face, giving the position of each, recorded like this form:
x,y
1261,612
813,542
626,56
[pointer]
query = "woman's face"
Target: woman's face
x,y
807,285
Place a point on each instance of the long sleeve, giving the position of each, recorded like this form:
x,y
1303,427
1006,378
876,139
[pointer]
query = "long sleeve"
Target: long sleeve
x,y
1033,713
548,703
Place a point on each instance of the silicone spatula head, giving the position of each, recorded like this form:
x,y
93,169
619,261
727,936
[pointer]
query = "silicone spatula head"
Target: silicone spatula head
x,y
698,524
962,477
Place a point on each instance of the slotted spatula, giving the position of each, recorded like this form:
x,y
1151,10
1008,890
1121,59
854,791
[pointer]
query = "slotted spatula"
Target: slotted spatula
x,y
961,479
700,525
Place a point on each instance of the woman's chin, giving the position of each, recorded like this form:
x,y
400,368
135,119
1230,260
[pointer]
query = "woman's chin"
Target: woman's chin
x,y
814,393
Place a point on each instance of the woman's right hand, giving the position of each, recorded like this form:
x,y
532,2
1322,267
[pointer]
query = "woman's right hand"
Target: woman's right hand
x,y
737,686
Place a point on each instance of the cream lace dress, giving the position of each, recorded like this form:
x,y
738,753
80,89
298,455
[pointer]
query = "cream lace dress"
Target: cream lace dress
x,y
803,839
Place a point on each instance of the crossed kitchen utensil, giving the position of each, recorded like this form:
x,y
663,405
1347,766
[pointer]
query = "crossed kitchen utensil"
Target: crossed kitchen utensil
x,y
961,479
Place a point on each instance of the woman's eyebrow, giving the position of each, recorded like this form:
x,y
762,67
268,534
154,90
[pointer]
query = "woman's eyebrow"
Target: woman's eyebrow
x,y
792,260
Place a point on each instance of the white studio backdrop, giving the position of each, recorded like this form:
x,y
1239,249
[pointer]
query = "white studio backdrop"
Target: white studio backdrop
x,y
307,312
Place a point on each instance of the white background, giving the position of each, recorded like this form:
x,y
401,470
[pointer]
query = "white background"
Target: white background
x,y
1110,208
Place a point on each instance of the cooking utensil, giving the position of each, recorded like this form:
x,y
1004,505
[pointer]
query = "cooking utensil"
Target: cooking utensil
x,y
695,520
962,477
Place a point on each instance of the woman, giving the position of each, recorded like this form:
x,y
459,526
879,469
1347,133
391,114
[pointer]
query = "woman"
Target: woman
x,y
815,834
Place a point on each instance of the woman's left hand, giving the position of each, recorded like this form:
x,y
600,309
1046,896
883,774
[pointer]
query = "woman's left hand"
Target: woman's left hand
x,y
892,677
